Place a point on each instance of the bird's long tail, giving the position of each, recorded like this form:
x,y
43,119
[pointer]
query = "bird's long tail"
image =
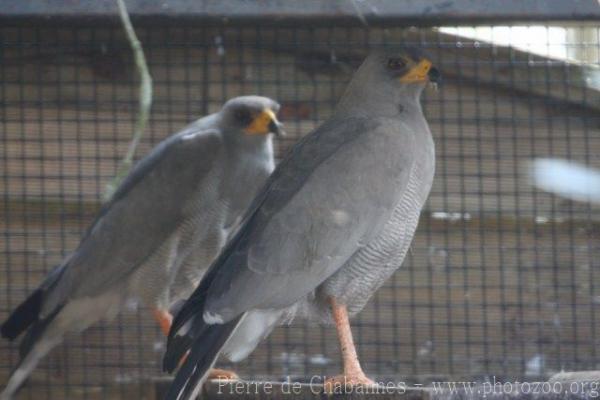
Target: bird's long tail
x,y
205,348
27,313
38,342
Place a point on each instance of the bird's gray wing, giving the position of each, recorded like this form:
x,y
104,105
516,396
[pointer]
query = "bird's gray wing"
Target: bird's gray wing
x,y
145,210
329,197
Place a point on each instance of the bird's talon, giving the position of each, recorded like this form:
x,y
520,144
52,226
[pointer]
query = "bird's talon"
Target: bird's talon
x,y
343,383
222,375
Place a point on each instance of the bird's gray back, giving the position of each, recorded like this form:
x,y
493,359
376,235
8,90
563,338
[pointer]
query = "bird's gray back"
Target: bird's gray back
x,y
145,213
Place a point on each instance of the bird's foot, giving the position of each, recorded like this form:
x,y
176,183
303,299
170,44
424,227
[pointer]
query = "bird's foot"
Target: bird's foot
x,y
164,319
344,383
222,375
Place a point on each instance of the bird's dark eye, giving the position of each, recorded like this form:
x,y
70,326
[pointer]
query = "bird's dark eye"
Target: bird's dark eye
x,y
396,64
243,116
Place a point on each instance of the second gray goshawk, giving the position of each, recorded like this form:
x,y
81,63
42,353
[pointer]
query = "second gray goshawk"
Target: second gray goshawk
x,y
158,234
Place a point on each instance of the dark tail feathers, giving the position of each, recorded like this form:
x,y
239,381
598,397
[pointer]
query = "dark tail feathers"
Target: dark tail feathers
x,y
30,354
205,342
178,342
203,354
25,315
28,312
176,307
176,349
35,333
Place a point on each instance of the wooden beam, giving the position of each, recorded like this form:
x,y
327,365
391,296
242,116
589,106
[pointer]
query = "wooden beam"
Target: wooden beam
x,y
343,11
473,62
265,390
55,212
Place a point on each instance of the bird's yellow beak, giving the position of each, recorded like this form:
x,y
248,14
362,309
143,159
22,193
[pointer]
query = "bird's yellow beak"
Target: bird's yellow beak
x,y
264,123
418,73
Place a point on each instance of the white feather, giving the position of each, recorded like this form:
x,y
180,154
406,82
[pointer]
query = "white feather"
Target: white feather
x,y
566,178
256,325
212,318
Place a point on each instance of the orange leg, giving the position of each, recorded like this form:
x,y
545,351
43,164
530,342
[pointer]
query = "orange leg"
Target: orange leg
x,y
222,374
353,373
165,319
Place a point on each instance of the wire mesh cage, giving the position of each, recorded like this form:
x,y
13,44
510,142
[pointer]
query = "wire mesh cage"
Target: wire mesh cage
x,y
501,278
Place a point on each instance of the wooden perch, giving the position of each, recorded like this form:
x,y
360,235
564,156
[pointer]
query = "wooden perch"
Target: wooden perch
x,y
266,390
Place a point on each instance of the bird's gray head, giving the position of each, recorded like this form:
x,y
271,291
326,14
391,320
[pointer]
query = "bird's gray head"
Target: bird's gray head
x,y
254,116
388,78
401,67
